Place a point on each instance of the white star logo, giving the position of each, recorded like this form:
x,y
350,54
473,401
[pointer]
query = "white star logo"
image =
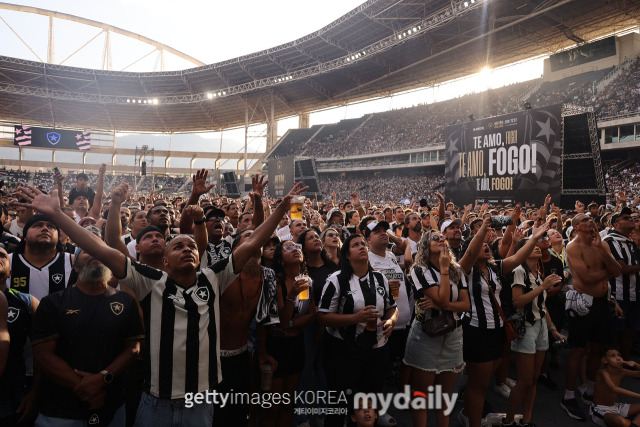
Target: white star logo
x,y
545,129
202,294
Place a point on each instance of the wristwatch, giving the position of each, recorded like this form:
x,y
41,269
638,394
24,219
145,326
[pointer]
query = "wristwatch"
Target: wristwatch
x,y
107,376
199,221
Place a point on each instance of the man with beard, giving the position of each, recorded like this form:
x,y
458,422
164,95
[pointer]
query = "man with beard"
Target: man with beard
x,y
413,226
39,266
84,337
385,262
453,234
249,296
125,218
181,307
13,382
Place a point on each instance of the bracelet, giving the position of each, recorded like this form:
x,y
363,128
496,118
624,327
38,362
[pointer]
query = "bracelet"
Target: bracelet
x,y
199,222
552,328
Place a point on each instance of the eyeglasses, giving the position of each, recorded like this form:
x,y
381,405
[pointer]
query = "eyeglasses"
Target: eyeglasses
x,y
543,239
295,246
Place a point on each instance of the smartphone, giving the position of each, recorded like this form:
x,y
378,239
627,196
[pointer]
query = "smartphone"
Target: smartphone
x,y
56,170
501,221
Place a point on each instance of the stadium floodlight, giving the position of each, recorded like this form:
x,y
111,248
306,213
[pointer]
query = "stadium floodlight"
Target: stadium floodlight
x,y
466,4
209,95
224,92
128,100
139,101
155,101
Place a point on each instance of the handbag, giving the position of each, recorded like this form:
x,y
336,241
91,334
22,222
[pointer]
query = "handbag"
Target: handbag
x,y
509,329
439,325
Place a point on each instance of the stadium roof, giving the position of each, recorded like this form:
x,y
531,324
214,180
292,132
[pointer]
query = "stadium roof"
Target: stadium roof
x,y
379,48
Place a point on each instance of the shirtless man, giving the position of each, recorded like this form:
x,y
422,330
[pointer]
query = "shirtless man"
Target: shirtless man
x,y
591,264
249,296
605,411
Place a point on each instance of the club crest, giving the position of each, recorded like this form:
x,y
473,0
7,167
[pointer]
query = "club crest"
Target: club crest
x,y
117,308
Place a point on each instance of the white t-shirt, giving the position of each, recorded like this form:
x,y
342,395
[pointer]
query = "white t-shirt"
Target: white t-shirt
x,y
389,267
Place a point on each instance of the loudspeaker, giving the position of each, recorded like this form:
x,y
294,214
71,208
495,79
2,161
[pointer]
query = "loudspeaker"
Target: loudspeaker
x,y
144,168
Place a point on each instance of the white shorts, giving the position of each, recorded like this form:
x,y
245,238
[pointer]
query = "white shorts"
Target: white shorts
x,y
598,412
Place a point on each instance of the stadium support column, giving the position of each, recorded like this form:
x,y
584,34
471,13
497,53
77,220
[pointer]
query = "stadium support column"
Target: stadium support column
x,y
53,157
272,128
246,137
84,160
303,120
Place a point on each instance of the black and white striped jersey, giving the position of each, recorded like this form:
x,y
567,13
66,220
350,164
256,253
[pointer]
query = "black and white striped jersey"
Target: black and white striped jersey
x,y
215,253
372,287
429,276
484,312
182,327
40,282
536,309
625,287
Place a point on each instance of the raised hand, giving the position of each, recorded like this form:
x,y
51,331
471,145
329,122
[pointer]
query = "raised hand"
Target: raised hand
x,y
120,193
200,186
46,204
440,197
515,214
444,260
59,178
295,191
547,200
194,212
579,206
257,184
538,232
102,169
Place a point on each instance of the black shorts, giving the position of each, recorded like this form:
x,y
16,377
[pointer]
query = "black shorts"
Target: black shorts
x,y
482,345
288,352
596,326
397,343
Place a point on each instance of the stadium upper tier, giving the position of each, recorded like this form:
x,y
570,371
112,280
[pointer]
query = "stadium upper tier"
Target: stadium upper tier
x,y
424,125
381,47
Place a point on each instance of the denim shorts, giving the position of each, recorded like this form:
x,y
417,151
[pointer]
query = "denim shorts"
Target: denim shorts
x,y
156,412
536,338
434,354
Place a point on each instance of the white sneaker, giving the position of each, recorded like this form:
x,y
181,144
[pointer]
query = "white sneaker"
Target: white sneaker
x,y
386,420
509,382
463,419
503,390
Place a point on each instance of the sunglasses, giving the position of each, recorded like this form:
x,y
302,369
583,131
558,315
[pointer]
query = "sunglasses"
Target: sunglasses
x,y
331,234
295,246
543,239
437,237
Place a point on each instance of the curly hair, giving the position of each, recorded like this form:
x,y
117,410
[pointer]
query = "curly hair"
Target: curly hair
x,y
422,257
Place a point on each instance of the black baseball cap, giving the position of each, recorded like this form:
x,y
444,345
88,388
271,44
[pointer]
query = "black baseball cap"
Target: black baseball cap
x,y
146,230
615,216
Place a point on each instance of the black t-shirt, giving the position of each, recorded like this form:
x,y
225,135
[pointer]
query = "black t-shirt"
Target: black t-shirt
x,y
88,193
90,332
553,266
18,323
319,276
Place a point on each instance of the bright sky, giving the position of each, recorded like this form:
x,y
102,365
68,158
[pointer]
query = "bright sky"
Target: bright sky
x,y
210,31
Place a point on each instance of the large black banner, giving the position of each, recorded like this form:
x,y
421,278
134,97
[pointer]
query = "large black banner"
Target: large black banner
x,y
31,136
505,159
582,54
281,175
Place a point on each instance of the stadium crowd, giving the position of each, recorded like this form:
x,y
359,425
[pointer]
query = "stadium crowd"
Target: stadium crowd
x,y
123,306
136,307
